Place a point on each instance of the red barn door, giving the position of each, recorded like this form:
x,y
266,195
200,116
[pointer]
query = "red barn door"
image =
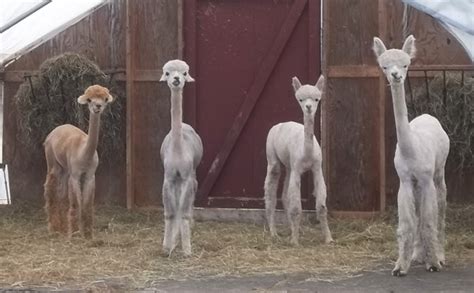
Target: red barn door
x,y
243,55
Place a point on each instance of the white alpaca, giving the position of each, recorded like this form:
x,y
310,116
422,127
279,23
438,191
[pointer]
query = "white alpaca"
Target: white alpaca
x,y
181,153
420,157
294,146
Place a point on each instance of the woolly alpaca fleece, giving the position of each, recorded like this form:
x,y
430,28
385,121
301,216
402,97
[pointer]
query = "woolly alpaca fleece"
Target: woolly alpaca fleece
x,y
294,146
72,160
420,158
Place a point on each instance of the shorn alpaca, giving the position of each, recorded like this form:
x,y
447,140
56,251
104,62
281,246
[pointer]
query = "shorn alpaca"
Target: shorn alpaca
x,y
420,158
181,153
294,146
72,160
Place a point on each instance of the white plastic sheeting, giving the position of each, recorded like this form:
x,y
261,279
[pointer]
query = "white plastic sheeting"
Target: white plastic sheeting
x,y
457,16
39,26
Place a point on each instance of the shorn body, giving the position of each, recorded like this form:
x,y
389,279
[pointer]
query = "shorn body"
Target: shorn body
x,y
181,153
420,158
293,146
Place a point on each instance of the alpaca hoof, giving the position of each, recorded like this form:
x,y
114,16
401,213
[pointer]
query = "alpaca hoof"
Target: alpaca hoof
x,y
329,240
433,269
165,252
187,253
398,273
442,263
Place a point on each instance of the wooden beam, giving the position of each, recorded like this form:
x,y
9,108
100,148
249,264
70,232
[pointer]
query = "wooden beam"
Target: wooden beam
x,y
189,32
353,71
19,75
382,20
180,29
325,147
254,92
437,67
130,56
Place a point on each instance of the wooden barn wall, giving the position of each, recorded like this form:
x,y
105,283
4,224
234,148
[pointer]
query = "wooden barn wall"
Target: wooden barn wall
x,y
152,40
358,126
100,37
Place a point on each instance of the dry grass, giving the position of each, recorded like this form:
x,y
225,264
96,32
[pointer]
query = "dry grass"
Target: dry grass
x,y
455,112
126,251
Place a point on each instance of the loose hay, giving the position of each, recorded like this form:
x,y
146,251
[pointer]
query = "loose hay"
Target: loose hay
x,y
49,99
126,251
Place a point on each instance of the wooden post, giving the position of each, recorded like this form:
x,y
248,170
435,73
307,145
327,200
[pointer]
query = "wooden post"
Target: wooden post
x,y
130,73
382,19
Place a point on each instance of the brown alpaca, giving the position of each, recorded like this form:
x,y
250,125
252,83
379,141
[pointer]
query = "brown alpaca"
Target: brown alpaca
x,y
72,160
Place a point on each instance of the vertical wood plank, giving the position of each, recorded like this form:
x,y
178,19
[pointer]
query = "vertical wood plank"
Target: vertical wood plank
x,y
130,67
190,56
382,19
324,102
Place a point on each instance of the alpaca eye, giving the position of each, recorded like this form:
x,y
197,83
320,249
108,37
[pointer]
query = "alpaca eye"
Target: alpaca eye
x,y
384,68
89,100
167,73
301,100
106,100
405,66
185,73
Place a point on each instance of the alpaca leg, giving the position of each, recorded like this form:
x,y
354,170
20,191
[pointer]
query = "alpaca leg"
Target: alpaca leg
x,y
63,201
418,252
294,206
88,206
429,225
75,207
169,205
442,191
321,209
51,207
186,207
406,228
271,186
284,195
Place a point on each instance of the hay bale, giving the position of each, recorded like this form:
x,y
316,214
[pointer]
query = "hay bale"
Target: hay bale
x,y
48,100
455,112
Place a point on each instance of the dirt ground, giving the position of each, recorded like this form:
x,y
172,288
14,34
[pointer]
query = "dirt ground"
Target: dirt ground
x,y
449,280
125,256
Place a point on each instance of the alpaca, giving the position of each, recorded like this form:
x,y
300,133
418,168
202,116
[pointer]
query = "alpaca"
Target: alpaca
x,y
72,160
181,153
294,145
420,158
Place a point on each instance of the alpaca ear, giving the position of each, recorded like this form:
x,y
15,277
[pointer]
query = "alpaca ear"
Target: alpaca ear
x,y
296,83
409,46
111,99
82,99
163,76
379,48
320,83
188,78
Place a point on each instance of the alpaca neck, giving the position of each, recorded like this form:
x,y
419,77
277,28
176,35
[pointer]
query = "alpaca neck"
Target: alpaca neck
x,y
176,118
401,119
308,135
92,136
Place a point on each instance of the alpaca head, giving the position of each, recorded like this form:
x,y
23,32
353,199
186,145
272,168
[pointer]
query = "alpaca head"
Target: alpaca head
x,y
176,73
395,62
96,97
308,96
